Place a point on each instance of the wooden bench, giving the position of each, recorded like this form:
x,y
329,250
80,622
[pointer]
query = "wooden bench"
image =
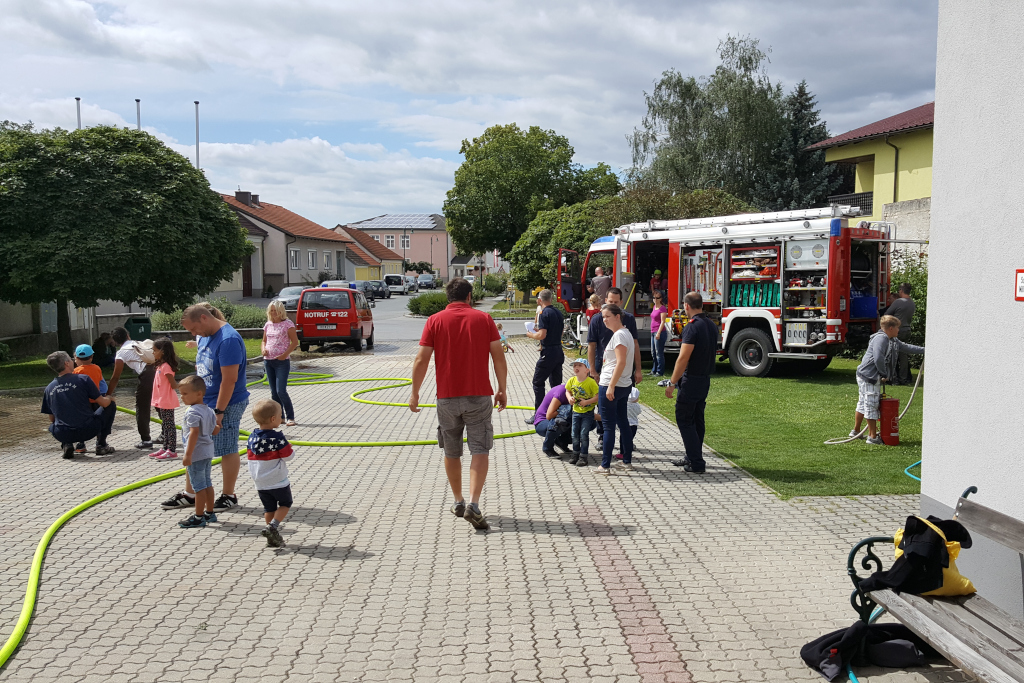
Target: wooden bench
x,y
969,631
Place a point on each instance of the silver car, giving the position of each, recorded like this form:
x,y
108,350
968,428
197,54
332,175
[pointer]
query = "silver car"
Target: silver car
x,y
289,296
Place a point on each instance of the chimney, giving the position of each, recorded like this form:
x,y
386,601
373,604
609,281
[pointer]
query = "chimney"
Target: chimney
x,y
244,197
255,200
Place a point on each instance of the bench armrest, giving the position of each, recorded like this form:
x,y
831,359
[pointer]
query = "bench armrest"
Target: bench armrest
x,y
870,563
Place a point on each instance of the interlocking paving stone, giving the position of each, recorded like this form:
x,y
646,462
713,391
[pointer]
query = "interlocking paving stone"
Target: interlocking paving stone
x,y
378,581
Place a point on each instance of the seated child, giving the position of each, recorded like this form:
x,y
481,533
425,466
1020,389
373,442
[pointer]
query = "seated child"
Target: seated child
x,y
582,392
197,432
269,453
84,366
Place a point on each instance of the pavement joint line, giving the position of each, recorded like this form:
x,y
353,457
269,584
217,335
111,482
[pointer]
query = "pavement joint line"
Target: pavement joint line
x,y
639,619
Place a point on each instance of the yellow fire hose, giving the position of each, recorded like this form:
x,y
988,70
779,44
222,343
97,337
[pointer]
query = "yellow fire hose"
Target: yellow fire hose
x,y
303,378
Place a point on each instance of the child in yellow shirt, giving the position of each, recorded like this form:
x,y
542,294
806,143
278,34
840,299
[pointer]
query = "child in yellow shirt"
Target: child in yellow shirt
x,y
582,392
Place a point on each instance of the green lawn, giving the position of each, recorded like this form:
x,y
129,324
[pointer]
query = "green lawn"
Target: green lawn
x,y
774,427
501,311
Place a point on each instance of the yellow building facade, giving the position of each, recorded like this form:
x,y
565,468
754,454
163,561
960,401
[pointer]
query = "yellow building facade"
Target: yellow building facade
x,y
893,159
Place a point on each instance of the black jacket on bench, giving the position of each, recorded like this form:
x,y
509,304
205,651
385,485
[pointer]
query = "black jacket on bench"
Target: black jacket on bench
x,y
919,569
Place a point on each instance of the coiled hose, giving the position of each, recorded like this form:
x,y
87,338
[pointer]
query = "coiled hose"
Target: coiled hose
x,y
836,442
302,379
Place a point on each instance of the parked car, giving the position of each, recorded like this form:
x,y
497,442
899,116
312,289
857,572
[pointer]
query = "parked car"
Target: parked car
x,y
380,290
396,283
410,284
366,288
289,296
335,283
327,315
471,279
425,281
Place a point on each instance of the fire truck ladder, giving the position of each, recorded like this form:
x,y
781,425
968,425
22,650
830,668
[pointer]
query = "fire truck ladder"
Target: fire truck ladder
x,y
741,219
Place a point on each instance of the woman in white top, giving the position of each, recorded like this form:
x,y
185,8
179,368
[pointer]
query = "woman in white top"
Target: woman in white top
x,y
616,382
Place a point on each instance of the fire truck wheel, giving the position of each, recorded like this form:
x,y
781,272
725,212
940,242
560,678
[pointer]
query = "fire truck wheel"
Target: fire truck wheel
x,y
748,353
304,348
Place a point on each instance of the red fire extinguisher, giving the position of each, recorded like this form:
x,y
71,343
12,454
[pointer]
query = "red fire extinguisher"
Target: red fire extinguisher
x,y
889,420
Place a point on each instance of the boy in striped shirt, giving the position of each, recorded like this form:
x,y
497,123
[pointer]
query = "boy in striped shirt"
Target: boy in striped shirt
x,y
269,453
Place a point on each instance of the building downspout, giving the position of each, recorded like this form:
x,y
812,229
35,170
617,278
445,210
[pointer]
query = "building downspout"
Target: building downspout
x,y
895,171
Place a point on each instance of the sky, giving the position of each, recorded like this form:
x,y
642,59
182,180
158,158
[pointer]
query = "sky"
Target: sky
x,y
342,111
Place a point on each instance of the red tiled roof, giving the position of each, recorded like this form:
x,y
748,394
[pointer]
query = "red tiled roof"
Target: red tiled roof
x,y
286,221
358,256
371,245
918,117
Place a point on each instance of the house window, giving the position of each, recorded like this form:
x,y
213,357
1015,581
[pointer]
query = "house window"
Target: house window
x,y
327,261
293,259
389,241
405,241
376,238
311,260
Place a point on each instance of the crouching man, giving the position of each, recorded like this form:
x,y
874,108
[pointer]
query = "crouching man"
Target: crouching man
x,y
77,410
878,365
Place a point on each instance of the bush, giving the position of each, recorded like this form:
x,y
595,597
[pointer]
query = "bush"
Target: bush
x,y
912,267
248,316
495,284
166,321
428,303
5,352
240,316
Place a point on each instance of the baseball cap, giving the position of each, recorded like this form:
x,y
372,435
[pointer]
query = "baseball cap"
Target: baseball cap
x,y
83,351
657,272
583,362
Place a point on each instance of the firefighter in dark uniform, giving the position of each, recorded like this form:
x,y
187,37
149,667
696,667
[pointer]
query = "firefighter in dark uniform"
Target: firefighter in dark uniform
x,y
692,375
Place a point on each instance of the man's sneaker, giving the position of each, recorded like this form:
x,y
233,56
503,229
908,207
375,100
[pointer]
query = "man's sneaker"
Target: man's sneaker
x,y
143,445
854,435
683,462
624,466
225,502
475,517
582,462
166,455
664,383
574,459
104,449
876,441
69,451
210,517
80,447
178,500
602,470
459,508
273,537
192,522
689,468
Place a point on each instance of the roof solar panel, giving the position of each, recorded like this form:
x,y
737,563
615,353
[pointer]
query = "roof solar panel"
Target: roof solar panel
x,y
416,221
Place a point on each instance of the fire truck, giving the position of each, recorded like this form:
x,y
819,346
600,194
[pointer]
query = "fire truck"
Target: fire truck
x,y
788,285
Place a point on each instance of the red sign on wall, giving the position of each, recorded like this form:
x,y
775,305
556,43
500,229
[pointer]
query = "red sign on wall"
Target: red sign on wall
x,y
1019,285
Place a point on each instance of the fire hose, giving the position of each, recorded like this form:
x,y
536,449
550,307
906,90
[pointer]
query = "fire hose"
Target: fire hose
x,y
835,442
302,378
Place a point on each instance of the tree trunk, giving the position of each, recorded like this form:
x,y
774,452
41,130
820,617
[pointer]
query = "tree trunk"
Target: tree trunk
x,y
63,327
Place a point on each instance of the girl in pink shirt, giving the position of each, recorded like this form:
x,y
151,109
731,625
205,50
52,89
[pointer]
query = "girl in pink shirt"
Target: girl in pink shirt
x,y
165,398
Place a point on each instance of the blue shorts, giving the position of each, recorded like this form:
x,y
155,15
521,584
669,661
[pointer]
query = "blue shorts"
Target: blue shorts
x,y
271,498
225,442
199,474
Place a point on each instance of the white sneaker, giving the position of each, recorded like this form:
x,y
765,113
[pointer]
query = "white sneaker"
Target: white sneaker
x,y
877,441
625,467
601,470
853,434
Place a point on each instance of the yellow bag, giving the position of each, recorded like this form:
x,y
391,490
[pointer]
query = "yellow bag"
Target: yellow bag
x,y
953,582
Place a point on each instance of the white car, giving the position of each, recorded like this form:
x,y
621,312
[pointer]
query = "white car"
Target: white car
x,y
471,279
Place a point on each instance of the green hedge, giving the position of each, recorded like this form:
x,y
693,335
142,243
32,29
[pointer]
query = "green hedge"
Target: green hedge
x,y
428,303
240,316
5,352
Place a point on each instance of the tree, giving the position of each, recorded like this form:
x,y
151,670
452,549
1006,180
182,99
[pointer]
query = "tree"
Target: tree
x,y
722,131
575,227
799,178
419,267
508,176
106,213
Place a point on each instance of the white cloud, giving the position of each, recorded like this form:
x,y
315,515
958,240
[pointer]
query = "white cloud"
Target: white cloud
x,y
422,77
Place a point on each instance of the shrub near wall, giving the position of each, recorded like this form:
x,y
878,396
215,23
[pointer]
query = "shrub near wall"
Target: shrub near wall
x,y
428,303
239,316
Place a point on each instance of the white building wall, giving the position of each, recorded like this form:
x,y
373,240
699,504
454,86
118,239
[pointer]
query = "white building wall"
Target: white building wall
x,y
973,426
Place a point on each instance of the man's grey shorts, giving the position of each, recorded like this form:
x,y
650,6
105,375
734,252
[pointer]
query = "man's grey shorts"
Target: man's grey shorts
x,y
470,412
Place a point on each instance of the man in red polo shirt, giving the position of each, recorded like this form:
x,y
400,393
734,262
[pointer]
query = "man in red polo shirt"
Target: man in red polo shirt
x,y
462,339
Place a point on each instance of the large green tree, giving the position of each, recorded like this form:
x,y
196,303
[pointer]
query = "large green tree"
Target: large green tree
x,y
575,227
108,213
799,178
508,176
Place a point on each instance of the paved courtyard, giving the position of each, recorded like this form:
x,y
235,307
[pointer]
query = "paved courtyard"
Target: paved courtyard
x,y
654,576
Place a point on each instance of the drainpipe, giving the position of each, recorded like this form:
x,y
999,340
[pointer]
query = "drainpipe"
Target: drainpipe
x,y
895,170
